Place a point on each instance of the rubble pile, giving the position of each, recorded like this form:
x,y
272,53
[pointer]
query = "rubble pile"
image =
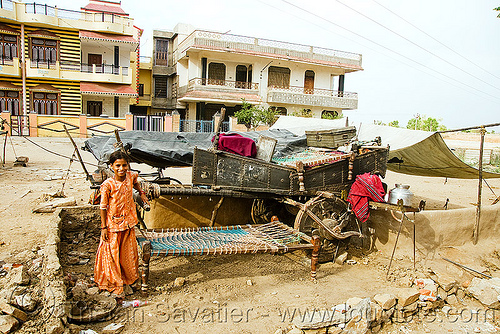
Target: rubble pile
x,y
437,298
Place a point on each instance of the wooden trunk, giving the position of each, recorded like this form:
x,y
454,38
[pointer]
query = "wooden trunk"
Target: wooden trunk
x,y
330,138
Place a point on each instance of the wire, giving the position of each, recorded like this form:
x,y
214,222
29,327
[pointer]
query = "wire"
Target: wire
x,y
52,152
386,48
431,72
417,45
414,26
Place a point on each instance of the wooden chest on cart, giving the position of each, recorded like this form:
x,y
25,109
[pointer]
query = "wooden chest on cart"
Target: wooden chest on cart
x,y
330,138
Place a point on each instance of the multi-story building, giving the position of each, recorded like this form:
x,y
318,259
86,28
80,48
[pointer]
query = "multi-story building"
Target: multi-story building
x,y
220,69
63,62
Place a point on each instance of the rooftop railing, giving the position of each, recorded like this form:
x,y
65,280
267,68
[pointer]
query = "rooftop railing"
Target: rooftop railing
x,y
7,4
261,45
36,8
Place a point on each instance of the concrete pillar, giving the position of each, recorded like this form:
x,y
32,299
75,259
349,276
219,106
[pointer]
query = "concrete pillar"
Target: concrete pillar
x,y
83,125
176,121
6,116
33,121
167,123
129,122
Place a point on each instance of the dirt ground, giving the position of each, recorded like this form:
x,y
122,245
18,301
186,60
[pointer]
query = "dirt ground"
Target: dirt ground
x,y
247,293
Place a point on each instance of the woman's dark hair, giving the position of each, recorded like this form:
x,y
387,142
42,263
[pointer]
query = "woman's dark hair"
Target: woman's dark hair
x,y
118,155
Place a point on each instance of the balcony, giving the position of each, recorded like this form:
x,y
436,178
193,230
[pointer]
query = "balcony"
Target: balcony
x,y
205,40
69,70
10,67
219,91
312,97
41,14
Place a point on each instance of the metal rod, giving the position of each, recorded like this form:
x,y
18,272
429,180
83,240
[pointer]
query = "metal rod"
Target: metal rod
x,y
471,128
480,188
89,177
465,267
414,245
395,244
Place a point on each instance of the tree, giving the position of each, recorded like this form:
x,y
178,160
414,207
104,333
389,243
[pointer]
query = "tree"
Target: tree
x,y
253,116
394,123
422,122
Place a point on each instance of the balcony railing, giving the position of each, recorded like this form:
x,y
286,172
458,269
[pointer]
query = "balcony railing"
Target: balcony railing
x,y
6,61
36,8
43,64
228,41
312,97
93,68
218,85
7,4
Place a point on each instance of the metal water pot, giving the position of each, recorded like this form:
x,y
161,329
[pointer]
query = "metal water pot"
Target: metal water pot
x,y
401,191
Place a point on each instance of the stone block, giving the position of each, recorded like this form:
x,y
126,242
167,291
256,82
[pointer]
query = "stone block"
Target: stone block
x,y
486,291
13,311
407,297
385,300
8,324
18,276
113,328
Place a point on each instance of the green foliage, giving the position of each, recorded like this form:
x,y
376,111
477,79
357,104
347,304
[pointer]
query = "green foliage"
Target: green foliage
x,y
330,115
246,114
394,124
253,116
307,113
425,123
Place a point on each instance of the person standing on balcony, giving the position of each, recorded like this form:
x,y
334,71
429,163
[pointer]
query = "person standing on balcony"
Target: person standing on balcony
x,y
117,260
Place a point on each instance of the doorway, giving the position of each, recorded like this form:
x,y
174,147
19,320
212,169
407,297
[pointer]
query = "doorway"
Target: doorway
x,y
309,82
95,59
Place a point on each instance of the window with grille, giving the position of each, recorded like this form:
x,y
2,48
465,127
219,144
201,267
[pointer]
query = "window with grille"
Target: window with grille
x,y
9,101
43,51
216,74
161,83
8,47
161,52
45,103
278,77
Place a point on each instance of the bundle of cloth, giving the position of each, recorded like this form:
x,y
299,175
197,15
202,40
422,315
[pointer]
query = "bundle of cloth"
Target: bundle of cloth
x,y
237,144
366,187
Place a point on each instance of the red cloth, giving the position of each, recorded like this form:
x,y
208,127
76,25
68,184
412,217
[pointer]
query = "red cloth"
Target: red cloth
x,y
237,144
365,187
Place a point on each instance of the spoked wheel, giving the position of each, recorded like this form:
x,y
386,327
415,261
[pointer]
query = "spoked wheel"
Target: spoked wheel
x,y
334,214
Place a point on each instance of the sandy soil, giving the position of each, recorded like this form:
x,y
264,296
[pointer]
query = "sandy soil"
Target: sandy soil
x,y
217,295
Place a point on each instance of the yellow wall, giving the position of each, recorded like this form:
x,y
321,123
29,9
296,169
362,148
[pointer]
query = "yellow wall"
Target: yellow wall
x,y
52,126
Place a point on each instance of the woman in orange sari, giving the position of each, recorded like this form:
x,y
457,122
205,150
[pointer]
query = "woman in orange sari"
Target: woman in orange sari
x,y
117,260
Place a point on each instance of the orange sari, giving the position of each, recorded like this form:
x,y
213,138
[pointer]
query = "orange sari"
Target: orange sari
x,y
117,260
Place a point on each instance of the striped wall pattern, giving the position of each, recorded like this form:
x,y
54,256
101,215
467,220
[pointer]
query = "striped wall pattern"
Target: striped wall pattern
x,y
71,99
70,48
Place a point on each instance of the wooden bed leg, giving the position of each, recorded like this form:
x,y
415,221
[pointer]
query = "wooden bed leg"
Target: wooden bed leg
x,y
314,258
146,256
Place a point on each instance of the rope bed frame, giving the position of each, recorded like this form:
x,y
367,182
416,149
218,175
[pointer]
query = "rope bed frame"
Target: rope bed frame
x,y
274,237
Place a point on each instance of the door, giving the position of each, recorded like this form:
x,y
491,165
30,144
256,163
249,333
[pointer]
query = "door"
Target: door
x,y
94,108
309,82
95,59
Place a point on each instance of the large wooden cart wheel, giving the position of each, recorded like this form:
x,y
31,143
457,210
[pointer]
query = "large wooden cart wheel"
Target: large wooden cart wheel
x,y
332,212
324,208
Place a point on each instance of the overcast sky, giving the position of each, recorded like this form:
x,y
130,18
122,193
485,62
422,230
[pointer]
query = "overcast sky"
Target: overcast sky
x,y
431,68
